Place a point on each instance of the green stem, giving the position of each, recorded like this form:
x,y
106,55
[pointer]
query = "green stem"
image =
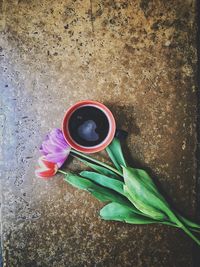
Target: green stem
x,y
182,226
178,226
187,231
96,161
62,172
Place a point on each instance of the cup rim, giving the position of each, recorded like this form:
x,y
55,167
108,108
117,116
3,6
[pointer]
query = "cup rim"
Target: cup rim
x,y
105,142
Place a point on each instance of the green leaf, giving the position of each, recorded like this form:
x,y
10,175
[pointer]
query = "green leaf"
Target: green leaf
x,y
115,153
145,209
101,193
148,182
188,222
110,154
104,181
144,196
117,212
98,168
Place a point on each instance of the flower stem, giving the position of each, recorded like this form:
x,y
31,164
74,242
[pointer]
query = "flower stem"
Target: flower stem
x,y
62,172
178,226
97,162
182,226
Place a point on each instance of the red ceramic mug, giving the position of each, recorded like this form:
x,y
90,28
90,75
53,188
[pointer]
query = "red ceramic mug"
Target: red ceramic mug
x,y
88,126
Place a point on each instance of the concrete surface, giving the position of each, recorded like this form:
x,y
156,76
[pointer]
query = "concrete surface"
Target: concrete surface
x,y
139,58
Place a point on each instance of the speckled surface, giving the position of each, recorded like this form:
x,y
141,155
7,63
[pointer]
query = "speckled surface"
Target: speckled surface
x,y
139,58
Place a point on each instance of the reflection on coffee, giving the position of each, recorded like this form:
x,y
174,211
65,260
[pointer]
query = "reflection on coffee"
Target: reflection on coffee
x,y
88,126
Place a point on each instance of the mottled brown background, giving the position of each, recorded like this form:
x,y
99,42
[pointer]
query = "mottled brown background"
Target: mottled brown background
x,y
139,58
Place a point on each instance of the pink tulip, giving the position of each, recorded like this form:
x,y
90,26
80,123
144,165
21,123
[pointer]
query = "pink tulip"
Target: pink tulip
x,y
55,148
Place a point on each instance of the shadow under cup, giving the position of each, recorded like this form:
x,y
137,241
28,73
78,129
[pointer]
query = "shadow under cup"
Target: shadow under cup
x,y
88,126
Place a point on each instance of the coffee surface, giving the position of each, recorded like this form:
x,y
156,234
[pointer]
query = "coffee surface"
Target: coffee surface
x,y
88,126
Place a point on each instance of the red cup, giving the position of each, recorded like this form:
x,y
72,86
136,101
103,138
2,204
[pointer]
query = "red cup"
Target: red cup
x,y
89,149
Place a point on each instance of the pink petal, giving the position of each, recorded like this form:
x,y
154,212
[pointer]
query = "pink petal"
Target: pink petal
x,y
58,139
58,158
48,147
55,148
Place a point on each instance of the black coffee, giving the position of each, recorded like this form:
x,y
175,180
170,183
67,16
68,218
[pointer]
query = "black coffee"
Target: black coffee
x,y
88,126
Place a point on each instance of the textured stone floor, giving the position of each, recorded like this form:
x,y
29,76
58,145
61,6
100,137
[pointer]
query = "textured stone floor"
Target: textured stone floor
x,y
139,58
